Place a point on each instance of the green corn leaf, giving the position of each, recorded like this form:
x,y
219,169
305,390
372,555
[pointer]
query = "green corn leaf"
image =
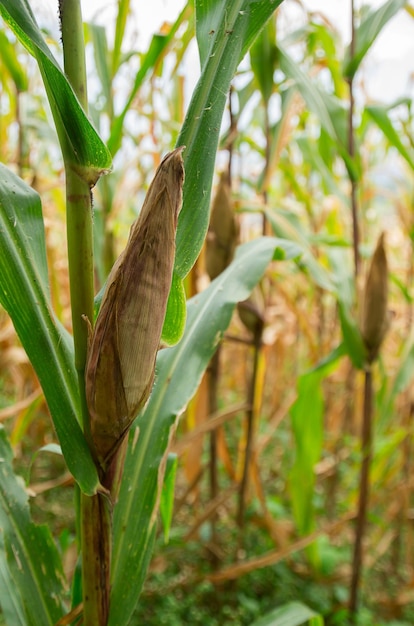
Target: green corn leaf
x,y
31,575
24,294
179,371
313,156
292,614
156,51
100,48
339,282
121,21
332,116
215,18
243,95
371,25
307,424
403,377
176,313
319,38
380,116
225,30
405,371
329,110
167,495
345,294
263,57
9,60
82,147
352,336
283,227
11,602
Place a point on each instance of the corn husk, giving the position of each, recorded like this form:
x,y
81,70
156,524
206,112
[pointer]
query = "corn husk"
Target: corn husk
x,y
222,232
121,360
374,319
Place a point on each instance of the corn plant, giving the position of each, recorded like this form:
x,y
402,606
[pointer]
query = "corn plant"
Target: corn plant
x,y
337,146
116,516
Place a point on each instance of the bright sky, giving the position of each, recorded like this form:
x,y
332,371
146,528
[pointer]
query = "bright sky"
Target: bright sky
x,y
389,67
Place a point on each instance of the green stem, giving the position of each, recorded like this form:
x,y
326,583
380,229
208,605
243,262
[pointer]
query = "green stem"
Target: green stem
x,y
74,48
80,254
267,165
213,381
351,150
95,523
250,430
78,202
20,136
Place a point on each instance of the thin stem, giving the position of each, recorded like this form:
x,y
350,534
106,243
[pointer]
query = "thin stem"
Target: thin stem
x,y
250,423
366,442
78,201
74,48
351,150
20,136
96,527
80,255
267,164
95,511
213,380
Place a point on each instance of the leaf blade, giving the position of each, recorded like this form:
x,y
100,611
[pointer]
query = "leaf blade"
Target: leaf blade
x,y
291,614
24,295
367,32
135,515
380,116
81,145
230,29
30,560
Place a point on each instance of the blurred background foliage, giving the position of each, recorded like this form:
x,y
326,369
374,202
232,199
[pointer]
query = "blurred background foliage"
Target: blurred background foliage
x,y
269,450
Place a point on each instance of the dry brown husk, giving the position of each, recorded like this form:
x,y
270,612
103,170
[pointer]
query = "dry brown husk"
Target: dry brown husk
x,y
222,232
374,319
121,360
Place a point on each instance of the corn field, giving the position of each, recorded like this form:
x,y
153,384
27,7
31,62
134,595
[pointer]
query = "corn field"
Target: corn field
x,y
206,345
